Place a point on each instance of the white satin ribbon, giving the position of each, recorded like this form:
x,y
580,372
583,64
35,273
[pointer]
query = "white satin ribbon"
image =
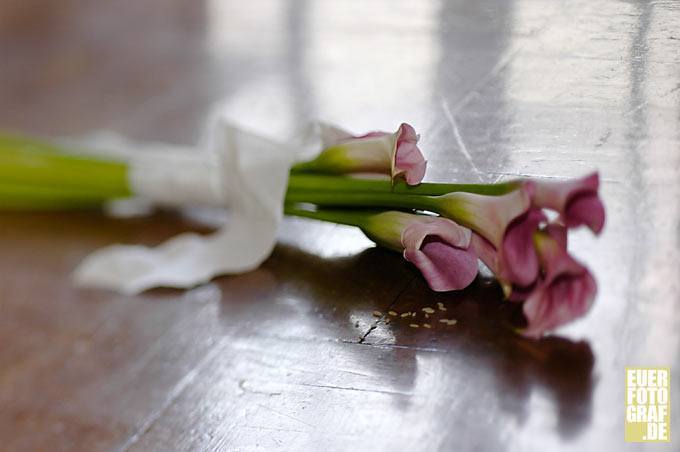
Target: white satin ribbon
x,y
236,169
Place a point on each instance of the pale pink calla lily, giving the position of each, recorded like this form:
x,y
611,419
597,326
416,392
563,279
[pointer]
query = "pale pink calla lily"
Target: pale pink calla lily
x,y
576,200
396,154
437,246
565,292
408,162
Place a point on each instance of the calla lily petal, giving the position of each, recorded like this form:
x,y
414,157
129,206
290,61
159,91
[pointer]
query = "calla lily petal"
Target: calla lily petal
x,y
585,209
488,216
576,200
408,161
518,255
443,266
440,249
558,233
331,135
423,226
488,254
508,223
566,292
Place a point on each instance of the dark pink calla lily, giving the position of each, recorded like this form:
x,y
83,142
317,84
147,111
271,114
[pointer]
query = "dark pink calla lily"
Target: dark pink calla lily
x,y
396,154
488,254
440,250
565,292
558,233
576,200
518,254
508,223
438,247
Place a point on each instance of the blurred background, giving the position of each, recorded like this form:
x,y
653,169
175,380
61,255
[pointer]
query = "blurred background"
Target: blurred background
x,y
289,356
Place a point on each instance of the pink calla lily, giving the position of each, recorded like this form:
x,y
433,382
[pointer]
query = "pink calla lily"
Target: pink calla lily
x,y
437,246
576,200
565,292
396,154
558,233
518,254
407,161
507,223
440,250
494,260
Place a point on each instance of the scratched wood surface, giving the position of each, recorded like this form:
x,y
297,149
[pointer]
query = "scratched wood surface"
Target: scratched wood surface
x,y
290,356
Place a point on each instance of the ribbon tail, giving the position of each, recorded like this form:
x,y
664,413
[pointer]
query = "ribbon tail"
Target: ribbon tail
x,y
254,178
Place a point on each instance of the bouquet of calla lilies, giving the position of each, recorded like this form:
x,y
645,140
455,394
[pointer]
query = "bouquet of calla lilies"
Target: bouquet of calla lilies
x,y
443,229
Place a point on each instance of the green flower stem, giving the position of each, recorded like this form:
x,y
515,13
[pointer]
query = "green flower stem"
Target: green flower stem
x,y
29,197
28,163
375,200
385,228
451,205
345,184
346,217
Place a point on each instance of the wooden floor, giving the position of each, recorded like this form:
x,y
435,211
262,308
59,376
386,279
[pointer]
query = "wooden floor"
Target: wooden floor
x,y
290,356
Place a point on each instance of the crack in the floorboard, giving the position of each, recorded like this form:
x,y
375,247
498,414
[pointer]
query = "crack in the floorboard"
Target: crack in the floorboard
x,y
389,307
